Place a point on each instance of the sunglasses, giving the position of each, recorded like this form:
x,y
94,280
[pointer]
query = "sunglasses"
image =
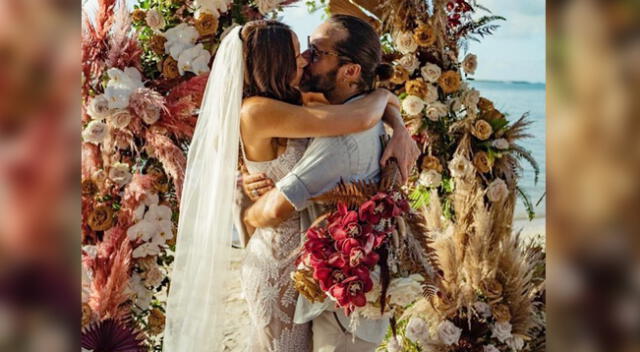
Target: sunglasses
x,y
315,53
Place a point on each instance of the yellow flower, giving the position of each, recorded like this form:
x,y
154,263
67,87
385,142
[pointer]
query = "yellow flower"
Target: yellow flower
x,y
101,218
482,130
170,68
481,162
86,314
425,35
416,87
156,44
400,75
501,313
449,82
431,163
206,24
139,15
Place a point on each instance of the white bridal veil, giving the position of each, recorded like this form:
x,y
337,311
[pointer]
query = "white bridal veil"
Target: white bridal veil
x,y
195,308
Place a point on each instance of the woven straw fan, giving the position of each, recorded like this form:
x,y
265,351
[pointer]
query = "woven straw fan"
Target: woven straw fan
x,y
346,7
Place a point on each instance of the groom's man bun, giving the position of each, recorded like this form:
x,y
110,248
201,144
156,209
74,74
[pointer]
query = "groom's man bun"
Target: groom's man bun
x,y
362,46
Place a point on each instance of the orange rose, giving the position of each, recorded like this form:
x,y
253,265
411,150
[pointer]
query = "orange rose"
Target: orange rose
x,y
139,15
425,35
400,75
431,163
449,82
482,130
485,104
170,68
416,87
206,24
481,162
89,188
156,321
156,44
101,218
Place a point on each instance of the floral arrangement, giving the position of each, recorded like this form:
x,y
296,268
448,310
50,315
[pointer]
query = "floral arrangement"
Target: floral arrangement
x,y
465,184
143,78
371,255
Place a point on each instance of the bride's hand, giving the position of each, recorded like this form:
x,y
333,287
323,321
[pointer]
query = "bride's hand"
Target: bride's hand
x,y
314,99
256,185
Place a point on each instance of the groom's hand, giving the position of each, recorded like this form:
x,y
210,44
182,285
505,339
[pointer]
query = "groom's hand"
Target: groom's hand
x,y
404,149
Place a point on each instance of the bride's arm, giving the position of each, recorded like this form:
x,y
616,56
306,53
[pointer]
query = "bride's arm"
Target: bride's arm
x,y
268,118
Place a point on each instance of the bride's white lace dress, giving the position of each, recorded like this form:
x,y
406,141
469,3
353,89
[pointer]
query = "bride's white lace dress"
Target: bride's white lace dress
x,y
269,261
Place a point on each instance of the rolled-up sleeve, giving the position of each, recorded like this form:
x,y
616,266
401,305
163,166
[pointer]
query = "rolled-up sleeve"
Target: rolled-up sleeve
x,y
323,164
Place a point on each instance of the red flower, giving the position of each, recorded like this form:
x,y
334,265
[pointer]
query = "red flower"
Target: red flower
x,y
358,252
350,293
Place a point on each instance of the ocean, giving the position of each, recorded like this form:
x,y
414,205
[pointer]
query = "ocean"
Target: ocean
x,y
514,99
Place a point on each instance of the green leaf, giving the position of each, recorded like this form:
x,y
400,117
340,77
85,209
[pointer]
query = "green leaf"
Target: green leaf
x,y
527,203
498,124
448,184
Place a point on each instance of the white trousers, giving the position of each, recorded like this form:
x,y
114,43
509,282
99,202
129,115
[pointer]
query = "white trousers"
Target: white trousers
x,y
330,336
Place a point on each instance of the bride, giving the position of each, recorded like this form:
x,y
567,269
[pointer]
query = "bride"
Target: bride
x,y
251,103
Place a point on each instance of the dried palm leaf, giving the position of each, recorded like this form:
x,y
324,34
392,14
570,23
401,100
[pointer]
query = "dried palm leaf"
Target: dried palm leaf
x,y
346,7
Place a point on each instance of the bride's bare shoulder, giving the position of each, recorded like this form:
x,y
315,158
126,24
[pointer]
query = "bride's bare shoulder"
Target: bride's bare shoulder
x,y
253,107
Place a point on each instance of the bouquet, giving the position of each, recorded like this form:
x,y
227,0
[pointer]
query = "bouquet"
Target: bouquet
x,y
370,255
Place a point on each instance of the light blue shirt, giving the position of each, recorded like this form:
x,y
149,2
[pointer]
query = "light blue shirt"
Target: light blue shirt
x,y
325,162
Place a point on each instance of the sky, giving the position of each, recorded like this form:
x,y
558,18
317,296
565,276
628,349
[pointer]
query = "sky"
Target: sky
x,y
515,52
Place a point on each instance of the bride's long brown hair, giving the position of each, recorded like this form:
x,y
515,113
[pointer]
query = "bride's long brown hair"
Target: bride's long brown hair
x,y
270,61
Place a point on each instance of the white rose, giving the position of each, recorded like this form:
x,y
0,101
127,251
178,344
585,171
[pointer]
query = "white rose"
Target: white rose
x,y
417,331
410,62
455,104
179,39
431,72
119,173
501,331
497,190
412,105
436,110
194,59
150,115
448,333
155,20
153,277
501,144
470,64
432,94
470,99
460,166
483,309
405,43
405,290
490,348
430,178
266,6
98,107
516,342
119,119
95,132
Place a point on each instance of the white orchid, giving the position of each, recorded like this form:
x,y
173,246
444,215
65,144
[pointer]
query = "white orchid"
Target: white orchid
x,y
194,59
179,39
120,86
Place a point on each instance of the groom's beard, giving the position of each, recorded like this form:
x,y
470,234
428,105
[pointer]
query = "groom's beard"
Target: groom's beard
x,y
325,83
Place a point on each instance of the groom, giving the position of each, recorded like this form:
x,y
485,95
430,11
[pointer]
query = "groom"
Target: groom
x,y
343,59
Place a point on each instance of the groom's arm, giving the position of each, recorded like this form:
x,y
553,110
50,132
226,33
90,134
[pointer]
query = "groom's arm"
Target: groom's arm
x,y
325,162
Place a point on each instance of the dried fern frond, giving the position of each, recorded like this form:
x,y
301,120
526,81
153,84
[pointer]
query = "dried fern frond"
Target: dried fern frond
x,y
518,129
346,7
353,194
